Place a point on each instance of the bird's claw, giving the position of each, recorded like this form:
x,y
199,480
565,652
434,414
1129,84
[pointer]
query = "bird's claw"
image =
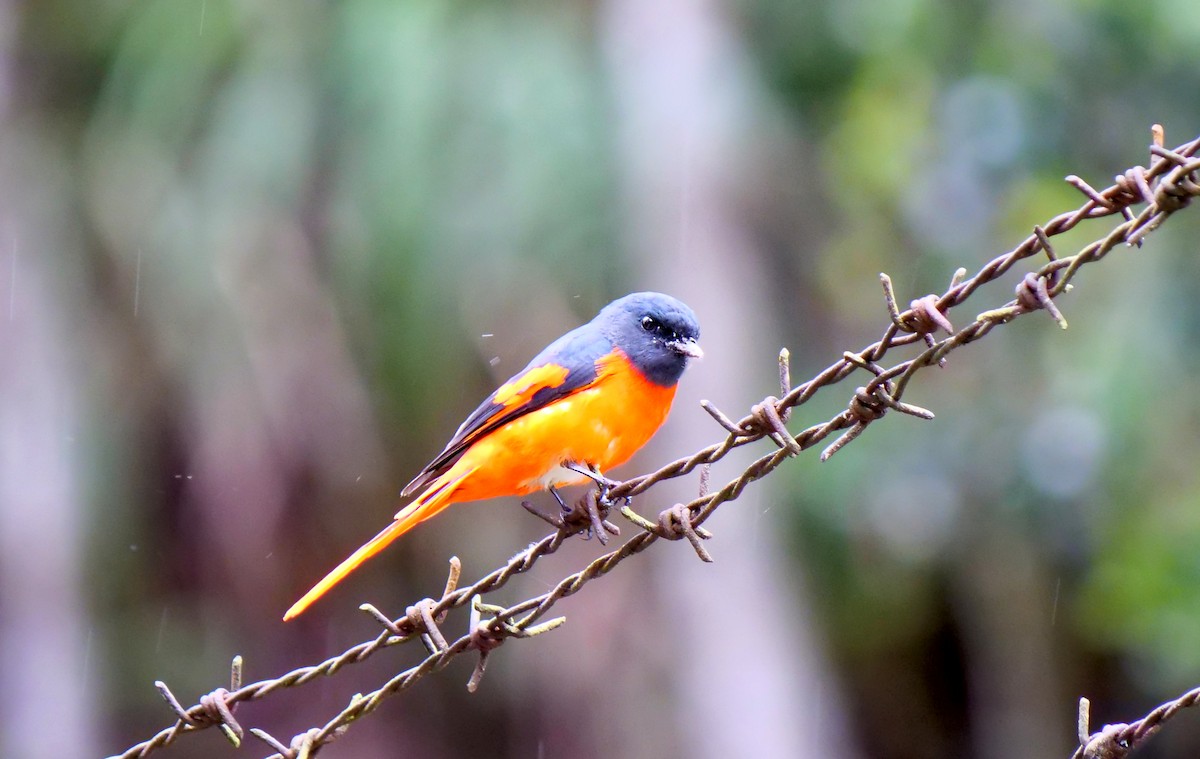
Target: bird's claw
x,y
604,484
590,510
596,511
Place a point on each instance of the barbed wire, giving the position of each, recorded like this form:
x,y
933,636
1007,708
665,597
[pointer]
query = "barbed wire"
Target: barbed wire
x,y
1118,740
1166,186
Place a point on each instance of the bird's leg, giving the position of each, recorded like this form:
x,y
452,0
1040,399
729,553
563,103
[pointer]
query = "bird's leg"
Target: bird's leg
x,y
598,508
592,473
561,503
593,509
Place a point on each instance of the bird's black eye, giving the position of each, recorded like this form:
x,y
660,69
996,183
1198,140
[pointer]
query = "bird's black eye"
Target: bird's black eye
x,y
649,324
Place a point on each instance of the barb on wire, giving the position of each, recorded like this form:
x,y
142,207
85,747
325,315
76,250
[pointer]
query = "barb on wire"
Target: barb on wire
x,y
1119,740
1168,185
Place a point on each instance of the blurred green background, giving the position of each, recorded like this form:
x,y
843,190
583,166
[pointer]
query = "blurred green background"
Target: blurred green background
x,y
258,259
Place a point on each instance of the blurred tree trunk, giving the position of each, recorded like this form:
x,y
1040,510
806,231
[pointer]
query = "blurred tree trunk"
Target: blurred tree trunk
x,y
44,629
756,684
1008,619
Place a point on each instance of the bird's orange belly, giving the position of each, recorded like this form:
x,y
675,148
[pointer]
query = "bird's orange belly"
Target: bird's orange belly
x,y
602,425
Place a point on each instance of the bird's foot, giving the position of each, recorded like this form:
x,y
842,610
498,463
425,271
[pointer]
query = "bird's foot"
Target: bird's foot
x,y
592,473
603,484
587,513
597,506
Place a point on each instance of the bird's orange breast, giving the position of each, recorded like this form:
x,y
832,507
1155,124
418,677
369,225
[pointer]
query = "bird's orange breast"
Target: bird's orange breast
x,y
602,424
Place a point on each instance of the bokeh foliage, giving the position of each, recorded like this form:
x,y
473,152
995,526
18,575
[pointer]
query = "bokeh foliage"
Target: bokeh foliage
x,y
293,243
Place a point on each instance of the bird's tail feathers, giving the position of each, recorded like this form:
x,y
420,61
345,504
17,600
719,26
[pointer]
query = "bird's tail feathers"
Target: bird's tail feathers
x,y
429,503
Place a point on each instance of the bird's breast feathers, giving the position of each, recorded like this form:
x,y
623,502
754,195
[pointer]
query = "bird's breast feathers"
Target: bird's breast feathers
x,y
602,424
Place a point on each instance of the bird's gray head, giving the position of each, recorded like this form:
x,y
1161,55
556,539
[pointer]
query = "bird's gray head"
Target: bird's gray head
x,y
656,331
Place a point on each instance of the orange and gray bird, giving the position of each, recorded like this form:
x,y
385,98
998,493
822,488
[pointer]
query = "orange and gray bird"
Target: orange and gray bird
x,y
582,406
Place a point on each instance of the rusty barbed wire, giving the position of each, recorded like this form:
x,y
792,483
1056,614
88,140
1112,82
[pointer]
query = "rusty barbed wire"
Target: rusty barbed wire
x,y
1166,186
1118,740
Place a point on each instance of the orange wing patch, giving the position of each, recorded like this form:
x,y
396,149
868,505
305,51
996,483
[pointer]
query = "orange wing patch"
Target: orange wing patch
x,y
603,424
520,391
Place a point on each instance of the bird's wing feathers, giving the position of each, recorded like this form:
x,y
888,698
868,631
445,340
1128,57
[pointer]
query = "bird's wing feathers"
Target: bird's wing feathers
x,y
566,366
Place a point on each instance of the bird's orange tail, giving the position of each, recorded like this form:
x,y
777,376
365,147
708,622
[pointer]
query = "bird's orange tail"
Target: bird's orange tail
x,y
432,501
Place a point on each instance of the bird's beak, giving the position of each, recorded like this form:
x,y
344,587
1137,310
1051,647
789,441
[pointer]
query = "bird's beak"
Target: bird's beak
x,y
688,347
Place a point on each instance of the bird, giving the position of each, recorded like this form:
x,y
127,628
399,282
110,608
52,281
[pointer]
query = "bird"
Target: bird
x,y
585,404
